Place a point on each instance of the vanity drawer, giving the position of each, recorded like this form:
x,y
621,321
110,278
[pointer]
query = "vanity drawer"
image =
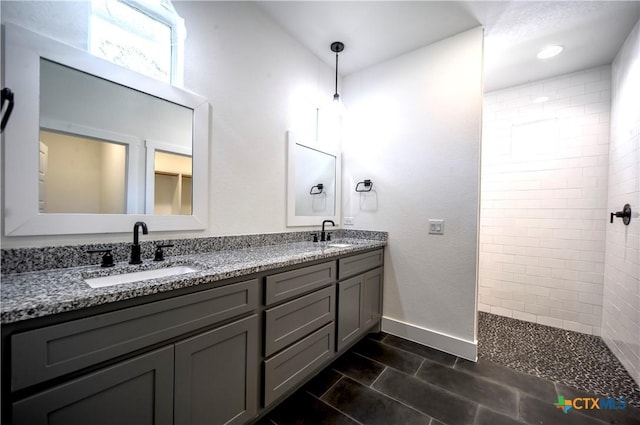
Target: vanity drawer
x,y
351,266
288,368
288,322
55,350
282,286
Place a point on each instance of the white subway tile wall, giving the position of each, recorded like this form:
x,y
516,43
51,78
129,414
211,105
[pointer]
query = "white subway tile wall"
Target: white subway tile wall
x,y
543,210
621,307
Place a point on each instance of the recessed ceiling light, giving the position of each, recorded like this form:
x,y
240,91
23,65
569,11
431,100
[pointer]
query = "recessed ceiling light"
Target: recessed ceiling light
x,y
540,99
549,52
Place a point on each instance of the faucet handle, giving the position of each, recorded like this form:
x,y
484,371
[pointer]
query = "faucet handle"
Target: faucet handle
x,y
315,237
159,256
328,236
107,258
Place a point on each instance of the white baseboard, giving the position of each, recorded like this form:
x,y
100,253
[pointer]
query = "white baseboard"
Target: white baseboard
x,y
443,342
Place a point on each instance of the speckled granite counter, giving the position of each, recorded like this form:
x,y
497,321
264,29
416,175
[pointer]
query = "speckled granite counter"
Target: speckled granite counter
x,y
42,293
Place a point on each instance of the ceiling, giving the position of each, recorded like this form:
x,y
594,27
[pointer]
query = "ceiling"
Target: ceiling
x,y
374,31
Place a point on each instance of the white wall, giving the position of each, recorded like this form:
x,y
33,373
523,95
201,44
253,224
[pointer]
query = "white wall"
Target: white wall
x,y
544,193
413,128
257,78
621,308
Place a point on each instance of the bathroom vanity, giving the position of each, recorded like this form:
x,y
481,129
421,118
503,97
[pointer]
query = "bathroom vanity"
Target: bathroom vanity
x,y
229,334
219,346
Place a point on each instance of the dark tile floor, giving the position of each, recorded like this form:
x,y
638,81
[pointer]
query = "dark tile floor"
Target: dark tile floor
x,y
389,380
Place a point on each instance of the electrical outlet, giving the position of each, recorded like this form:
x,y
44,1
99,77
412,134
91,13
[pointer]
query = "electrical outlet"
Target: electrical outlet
x,y
348,221
436,227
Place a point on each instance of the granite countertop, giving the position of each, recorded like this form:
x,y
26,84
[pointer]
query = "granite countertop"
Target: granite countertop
x,y
38,294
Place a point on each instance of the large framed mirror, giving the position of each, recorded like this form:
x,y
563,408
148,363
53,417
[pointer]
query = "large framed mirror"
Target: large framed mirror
x,y
313,183
93,147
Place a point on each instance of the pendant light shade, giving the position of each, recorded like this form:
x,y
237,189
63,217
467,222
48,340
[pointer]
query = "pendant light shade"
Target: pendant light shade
x,y
337,47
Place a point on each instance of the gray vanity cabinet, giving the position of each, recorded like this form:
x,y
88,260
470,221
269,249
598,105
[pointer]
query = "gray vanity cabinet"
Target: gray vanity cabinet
x,y
52,351
299,331
350,310
283,286
359,296
356,264
372,299
206,372
138,391
292,320
216,376
284,371
217,356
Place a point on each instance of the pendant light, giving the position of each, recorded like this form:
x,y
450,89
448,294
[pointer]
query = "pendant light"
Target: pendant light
x,y
337,47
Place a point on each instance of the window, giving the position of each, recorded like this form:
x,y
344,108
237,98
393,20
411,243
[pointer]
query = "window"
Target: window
x,y
146,36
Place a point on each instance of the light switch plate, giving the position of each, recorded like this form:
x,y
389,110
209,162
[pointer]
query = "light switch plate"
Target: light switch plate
x,y
348,221
436,227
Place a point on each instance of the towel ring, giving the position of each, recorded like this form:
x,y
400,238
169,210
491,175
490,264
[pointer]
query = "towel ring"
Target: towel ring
x,y
367,184
319,188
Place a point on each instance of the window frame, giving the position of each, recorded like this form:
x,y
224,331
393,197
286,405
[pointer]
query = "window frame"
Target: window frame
x,y
157,11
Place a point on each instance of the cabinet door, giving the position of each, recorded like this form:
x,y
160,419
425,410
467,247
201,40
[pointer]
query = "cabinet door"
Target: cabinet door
x,y
350,309
216,375
138,391
372,297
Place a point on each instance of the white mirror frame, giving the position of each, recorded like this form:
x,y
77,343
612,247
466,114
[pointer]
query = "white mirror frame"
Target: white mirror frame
x,y
22,52
311,220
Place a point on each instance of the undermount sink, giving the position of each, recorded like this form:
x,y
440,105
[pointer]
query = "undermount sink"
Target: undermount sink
x,y
339,245
117,279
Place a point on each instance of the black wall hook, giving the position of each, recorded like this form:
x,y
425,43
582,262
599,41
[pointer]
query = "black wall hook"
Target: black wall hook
x,y
7,95
625,214
319,188
367,184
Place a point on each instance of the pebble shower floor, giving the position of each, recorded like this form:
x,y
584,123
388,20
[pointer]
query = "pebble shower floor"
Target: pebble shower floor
x,y
578,360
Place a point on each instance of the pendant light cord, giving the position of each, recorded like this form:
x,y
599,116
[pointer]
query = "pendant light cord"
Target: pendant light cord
x,y
336,93
337,47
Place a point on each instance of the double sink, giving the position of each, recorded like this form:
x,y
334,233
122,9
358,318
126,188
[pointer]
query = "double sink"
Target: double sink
x,y
178,270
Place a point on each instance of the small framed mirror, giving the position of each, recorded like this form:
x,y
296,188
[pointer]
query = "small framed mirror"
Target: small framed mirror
x,y
313,183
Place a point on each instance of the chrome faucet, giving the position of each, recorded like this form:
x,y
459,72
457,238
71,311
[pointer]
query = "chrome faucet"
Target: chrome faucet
x,y
323,235
135,248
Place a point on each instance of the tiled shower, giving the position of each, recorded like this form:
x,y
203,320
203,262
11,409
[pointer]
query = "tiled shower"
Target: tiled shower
x,y
544,199
558,156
